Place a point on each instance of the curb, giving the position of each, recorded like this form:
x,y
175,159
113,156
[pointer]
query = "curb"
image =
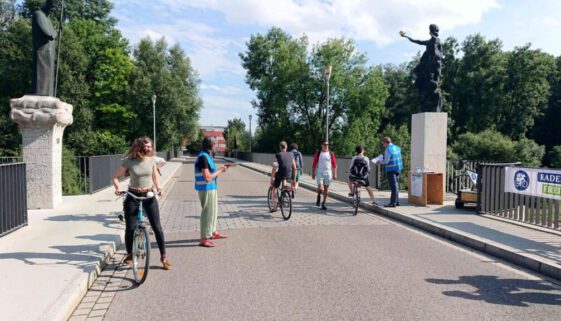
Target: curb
x,y
544,267
68,299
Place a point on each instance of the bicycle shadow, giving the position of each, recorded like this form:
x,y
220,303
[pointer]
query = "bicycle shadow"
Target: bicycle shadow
x,y
494,290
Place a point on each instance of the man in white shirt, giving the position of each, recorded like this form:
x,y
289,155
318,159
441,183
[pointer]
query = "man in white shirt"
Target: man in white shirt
x,y
324,170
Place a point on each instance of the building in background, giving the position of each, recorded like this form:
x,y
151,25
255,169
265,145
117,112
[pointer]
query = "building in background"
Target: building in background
x,y
218,133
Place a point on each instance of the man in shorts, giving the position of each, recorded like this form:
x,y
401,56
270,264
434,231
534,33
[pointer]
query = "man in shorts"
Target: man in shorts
x,y
283,167
324,170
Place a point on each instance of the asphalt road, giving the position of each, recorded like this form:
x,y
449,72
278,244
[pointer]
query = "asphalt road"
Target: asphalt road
x,y
318,266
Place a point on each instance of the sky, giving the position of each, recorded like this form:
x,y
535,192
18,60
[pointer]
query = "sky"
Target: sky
x,y
213,33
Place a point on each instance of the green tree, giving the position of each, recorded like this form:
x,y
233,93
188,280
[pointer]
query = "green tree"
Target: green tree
x,y
554,157
527,90
236,135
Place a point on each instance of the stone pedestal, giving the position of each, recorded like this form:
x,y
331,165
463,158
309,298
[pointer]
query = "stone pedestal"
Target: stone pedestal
x,y
429,133
42,121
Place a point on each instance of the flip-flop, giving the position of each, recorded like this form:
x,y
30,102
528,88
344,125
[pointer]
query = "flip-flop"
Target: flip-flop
x,y
207,243
217,236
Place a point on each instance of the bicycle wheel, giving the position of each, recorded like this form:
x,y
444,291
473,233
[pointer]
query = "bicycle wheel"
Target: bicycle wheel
x,y
286,204
270,198
356,200
140,255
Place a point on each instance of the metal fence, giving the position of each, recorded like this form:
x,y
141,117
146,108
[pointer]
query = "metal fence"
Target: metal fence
x,y
343,164
13,197
9,160
456,179
494,200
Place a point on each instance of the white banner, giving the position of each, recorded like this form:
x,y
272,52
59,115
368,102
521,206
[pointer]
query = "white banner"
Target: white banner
x,y
533,181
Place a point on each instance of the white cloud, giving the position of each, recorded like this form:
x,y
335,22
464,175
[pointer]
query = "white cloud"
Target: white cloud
x,y
551,22
225,90
377,21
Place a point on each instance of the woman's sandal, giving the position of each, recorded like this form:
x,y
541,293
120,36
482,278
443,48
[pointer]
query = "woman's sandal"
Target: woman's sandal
x,y
217,236
207,243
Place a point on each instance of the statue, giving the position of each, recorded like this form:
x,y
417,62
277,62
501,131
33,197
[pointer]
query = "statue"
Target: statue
x,y
44,35
428,71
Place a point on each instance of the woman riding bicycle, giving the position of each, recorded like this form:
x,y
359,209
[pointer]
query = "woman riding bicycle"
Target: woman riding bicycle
x,y
359,169
142,168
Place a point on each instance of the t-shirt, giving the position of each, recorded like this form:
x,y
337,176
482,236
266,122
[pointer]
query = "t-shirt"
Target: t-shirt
x,y
285,163
324,162
140,171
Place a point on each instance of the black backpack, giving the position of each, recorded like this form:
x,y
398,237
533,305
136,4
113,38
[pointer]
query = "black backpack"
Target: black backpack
x,y
359,168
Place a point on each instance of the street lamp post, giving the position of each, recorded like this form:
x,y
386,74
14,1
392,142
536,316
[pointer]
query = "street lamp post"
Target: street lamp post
x,y
327,73
250,133
154,119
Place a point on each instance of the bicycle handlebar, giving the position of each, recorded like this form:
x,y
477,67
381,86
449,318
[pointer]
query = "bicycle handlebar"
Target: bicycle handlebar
x,y
140,198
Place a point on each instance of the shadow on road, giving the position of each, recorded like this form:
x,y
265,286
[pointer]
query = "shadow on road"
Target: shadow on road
x,y
494,290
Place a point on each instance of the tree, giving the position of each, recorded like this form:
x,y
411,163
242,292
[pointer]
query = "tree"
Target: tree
x,y
527,90
236,135
291,91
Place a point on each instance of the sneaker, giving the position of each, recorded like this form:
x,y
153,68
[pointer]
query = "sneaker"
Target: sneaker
x,y
389,205
318,199
351,194
127,260
323,207
166,263
375,203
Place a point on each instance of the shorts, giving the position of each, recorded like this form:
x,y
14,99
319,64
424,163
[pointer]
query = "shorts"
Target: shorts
x,y
298,173
324,178
278,180
365,179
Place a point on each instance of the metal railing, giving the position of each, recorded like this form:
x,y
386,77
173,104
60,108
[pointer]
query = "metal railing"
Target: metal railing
x,y
13,197
456,179
11,159
343,164
493,200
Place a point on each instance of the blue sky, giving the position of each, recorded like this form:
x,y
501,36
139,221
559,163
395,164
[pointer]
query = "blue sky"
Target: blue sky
x,y
214,32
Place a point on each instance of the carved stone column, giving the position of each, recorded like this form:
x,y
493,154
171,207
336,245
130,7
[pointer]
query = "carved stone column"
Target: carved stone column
x,y
42,120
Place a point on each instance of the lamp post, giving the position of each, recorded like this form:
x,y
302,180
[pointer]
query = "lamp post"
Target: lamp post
x,y
327,73
250,133
154,119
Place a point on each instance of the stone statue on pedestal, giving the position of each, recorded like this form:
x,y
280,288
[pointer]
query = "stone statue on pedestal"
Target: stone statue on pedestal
x,y
44,34
427,73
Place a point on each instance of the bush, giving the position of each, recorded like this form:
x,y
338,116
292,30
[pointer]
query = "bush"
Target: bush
x,y
554,157
70,173
491,145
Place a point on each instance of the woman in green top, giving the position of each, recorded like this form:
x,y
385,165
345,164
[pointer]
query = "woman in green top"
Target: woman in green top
x,y
142,169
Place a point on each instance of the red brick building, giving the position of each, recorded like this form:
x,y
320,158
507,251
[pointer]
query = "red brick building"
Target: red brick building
x,y
218,133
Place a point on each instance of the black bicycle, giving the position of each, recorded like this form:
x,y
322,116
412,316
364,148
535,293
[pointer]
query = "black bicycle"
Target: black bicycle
x,y
141,241
357,184
284,199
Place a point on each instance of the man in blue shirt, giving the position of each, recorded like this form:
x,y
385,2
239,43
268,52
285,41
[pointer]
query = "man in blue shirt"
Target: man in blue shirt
x,y
393,166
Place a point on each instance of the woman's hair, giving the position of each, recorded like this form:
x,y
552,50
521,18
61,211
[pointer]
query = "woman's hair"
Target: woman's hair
x,y
138,150
359,149
208,143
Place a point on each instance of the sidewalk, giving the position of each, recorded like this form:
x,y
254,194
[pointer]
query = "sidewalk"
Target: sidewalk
x,y
526,246
47,266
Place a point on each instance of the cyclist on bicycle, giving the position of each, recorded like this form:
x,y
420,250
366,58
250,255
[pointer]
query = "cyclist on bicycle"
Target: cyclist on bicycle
x,y
298,160
283,167
358,170
142,168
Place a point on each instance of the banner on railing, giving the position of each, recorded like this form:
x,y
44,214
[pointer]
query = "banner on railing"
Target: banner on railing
x,y
533,181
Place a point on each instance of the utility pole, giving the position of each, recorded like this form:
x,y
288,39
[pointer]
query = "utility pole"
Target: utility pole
x,y
154,119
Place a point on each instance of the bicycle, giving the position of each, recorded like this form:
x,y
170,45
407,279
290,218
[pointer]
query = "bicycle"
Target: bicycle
x,y
141,241
284,199
357,184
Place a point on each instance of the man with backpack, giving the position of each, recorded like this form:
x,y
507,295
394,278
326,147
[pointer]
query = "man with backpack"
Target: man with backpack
x,y
324,170
298,160
358,170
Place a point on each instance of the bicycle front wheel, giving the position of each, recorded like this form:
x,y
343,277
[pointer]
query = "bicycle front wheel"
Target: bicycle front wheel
x,y
286,205
270,198
140,255
356,201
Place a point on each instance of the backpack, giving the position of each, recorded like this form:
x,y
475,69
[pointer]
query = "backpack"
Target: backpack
x,y
359,168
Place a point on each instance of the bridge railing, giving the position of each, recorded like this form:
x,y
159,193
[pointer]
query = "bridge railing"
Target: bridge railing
x,y
493,200
13,197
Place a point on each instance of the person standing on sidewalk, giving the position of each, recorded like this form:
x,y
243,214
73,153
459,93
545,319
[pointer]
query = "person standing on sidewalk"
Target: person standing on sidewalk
x,y
299,164
393,166
206,174
142,168
323,166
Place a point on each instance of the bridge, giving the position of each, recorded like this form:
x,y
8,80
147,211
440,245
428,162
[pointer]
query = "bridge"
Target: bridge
x,y
404,263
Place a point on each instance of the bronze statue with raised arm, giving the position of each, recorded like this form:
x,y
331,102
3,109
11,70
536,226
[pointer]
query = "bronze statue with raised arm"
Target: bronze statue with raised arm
x,y
44,35
428,70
